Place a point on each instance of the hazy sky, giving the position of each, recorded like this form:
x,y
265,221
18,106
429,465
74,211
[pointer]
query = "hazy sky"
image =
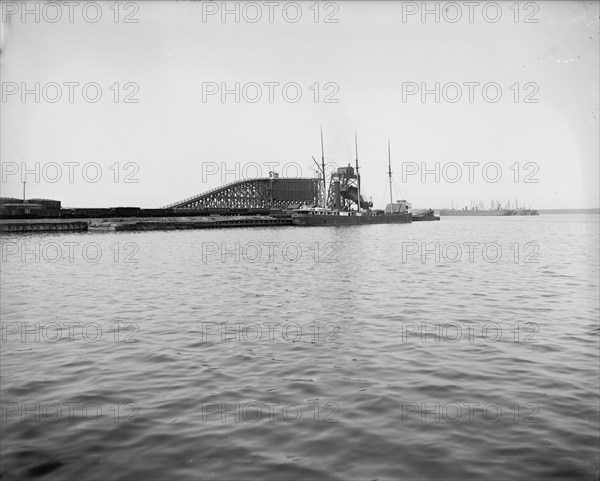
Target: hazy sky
x,y
177,53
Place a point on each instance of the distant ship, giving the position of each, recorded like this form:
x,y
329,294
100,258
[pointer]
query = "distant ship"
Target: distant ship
x,y
526,212
475,212
494,210
344,194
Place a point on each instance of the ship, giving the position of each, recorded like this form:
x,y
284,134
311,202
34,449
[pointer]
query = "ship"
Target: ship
x,y
529,211
476,212
522,210
495,210
343,203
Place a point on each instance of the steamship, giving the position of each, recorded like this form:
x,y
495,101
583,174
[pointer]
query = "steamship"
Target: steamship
x,y
344,205
495,210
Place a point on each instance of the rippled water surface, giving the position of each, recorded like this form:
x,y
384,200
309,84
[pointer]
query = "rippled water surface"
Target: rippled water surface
x,y
384,352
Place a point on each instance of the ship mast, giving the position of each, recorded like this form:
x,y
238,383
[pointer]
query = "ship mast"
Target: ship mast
x,y
357,174
323,171
390,176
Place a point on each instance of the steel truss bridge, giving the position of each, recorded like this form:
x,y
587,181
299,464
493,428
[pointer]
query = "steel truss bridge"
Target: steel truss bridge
x,y
260,193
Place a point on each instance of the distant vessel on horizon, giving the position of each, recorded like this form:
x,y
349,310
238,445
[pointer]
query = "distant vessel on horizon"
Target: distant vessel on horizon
x,y
529,211
495,209
475,212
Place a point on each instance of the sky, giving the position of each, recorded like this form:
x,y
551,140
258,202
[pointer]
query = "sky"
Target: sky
x,y
152,125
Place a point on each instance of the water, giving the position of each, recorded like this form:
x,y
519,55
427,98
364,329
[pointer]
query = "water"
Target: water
x,y
383,365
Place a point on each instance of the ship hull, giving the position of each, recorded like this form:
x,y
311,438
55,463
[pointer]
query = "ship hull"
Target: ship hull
x,y
307,219
527,212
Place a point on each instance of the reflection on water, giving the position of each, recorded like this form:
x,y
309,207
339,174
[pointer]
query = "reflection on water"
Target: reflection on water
x,y
467,347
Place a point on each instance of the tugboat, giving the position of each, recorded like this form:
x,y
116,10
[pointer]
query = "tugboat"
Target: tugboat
x,y
344,194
